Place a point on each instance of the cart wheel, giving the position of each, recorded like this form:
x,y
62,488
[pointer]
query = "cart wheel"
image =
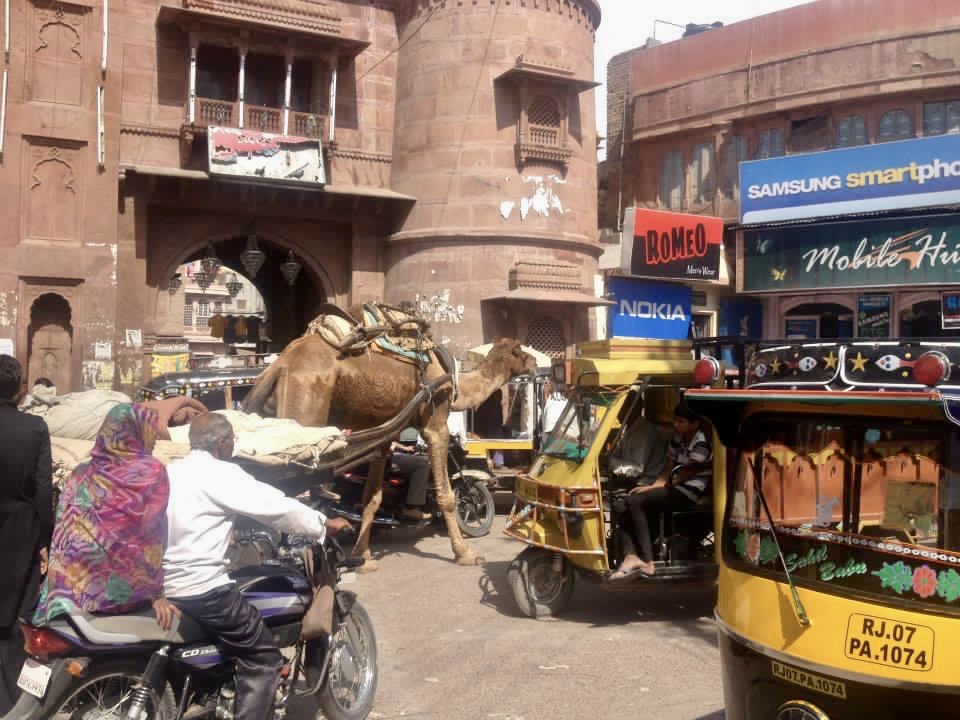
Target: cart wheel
x,y
540,589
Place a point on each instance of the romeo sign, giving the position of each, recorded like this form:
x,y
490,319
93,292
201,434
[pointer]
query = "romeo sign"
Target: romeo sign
x,y
671,245
910,174
879,253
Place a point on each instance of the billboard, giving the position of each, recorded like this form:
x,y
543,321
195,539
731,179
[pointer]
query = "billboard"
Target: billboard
x,y
671,246
918,173
649,310
871,253
251,154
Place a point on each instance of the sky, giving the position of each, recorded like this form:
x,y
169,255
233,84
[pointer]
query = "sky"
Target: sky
x,y
627,24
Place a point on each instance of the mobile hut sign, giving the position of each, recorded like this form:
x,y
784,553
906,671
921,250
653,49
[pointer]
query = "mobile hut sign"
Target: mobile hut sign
x,y
890,176
671,246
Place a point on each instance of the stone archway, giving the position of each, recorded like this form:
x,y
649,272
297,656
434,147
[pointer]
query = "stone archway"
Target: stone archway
x,y
50,342
289,308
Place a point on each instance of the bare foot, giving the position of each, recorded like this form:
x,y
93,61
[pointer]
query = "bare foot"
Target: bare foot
x,y
470,559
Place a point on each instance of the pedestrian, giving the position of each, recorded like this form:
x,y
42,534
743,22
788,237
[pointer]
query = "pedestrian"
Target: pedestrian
x,y
26,520
554,402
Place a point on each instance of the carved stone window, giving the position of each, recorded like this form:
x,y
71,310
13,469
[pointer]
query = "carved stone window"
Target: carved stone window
x,y
546,335
543,121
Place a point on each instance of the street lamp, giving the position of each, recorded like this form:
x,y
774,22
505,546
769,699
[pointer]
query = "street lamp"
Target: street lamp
x,y
211,264
252,258
291,269
174,283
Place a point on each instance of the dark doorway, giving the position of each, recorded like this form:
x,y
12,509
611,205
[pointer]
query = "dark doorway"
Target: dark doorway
x,y
50,342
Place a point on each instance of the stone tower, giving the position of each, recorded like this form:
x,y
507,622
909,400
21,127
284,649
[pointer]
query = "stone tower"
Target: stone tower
x,y
495,135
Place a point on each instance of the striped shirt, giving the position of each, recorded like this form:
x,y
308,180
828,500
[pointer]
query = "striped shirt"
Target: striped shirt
x,y
695,452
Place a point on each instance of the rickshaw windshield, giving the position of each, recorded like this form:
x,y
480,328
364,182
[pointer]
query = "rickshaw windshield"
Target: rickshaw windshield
x,y
574,432
867,505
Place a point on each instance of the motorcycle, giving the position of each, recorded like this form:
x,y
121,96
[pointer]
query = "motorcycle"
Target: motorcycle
x,y
126,667
475,507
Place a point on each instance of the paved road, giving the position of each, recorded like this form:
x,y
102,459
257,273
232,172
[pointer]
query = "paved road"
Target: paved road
x,y
453,646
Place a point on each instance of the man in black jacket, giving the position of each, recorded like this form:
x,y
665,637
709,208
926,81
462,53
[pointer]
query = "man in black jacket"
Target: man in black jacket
x,y
26,520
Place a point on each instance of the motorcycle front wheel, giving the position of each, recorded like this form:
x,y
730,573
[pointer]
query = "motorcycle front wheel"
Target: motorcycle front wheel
x,y
476,508
351,682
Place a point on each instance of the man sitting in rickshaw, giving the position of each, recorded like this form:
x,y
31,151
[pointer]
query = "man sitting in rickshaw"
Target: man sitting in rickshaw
x,y
678,491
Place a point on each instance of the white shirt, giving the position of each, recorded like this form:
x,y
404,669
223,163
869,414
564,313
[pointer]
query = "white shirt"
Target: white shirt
x,y
552,410
206,496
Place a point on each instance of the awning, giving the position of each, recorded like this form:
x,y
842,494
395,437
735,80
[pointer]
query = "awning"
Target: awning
x,y
554,296
481,351
355,190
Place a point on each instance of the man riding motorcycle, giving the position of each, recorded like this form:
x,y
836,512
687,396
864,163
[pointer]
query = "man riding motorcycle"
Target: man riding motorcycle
x,y
207,493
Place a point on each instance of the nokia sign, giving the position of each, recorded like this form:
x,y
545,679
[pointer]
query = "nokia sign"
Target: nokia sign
x,y
649,310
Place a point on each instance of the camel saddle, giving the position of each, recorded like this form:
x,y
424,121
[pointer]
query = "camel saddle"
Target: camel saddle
x,y
382,328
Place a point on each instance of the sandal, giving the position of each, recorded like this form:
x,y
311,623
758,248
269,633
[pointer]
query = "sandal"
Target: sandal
x,y
621,575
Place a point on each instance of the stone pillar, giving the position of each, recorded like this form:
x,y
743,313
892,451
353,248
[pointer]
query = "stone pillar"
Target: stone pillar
x,y
287,89
136,297
366,263
192,81
333,61
241,85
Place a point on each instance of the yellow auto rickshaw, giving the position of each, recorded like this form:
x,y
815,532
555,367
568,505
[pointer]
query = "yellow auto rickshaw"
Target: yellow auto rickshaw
x,y
839,540
568,508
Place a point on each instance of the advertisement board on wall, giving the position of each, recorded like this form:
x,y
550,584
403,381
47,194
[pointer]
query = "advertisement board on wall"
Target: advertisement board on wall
x,y
875,253
657,311
873,315
671,246
923,172
253,154
950,310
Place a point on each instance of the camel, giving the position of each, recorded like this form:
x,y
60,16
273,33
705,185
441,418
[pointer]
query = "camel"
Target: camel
x,y
313,384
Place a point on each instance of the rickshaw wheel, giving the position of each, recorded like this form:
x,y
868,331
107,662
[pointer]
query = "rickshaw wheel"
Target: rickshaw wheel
x,y
539,588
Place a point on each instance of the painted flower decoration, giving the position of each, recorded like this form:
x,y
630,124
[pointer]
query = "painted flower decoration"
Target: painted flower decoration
x,y
948,585
924,581
753,548
897,576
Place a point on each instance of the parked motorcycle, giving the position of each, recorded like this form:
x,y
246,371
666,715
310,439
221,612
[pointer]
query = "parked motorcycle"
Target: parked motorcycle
x,y
126,667
475,506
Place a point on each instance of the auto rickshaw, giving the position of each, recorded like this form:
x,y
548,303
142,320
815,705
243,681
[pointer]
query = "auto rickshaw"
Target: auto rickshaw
x,y
568,508
839,542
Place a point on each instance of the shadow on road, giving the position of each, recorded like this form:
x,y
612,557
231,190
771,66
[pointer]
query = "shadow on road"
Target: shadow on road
x,y
686,606
718,715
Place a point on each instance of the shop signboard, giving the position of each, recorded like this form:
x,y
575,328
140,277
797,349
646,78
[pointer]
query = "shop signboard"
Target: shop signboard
x,y
648,310
800,328
923,172
873,315
950,310
877,253
253,155
671,246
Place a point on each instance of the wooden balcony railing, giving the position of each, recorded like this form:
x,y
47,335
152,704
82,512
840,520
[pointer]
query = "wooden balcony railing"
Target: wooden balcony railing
x,y
542,135
264,119
311,125
215,112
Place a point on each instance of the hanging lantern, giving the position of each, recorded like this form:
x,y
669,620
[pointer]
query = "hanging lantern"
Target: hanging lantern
x,y
174,283
203,280
211,264
252,257
234,286
290,269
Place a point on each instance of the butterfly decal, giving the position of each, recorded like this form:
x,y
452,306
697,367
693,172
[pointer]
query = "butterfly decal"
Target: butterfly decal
x,y
778,274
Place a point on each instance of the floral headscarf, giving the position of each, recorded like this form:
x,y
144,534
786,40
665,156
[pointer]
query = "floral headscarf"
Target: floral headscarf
x,y
111,527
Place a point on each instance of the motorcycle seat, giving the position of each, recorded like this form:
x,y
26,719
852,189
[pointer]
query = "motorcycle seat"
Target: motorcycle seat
x,y
134,628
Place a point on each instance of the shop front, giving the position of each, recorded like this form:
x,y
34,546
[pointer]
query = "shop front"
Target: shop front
x,y
836,271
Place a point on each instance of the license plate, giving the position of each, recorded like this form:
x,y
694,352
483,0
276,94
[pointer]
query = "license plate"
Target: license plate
x,y
34,678
882,641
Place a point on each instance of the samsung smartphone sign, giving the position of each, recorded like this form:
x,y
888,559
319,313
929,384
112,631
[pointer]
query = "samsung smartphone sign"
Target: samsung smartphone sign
x,y
889,176
648,310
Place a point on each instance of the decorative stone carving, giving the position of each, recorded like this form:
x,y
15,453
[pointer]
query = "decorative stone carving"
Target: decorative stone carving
x,y
53,196
57,41
310,15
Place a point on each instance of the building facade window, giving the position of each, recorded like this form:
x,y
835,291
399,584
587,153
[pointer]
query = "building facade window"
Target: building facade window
x,y
546,335
770,144
543,118
810,134
203,314
941,118
702,174
734,151
188,314
851,131
218,307
671,181
895,125
218,71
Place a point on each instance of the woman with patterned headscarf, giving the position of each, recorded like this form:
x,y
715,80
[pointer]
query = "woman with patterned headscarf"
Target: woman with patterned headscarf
x,y
108,540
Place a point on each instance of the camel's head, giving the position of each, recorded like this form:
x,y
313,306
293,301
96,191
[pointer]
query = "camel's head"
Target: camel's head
x,y
510,354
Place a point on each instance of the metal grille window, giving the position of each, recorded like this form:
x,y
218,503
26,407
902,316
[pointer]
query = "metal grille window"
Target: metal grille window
x,y
218,307
543,118
770,144
851,131
671,181
896,125
702,174
203,314
941,118
188,313
546,335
